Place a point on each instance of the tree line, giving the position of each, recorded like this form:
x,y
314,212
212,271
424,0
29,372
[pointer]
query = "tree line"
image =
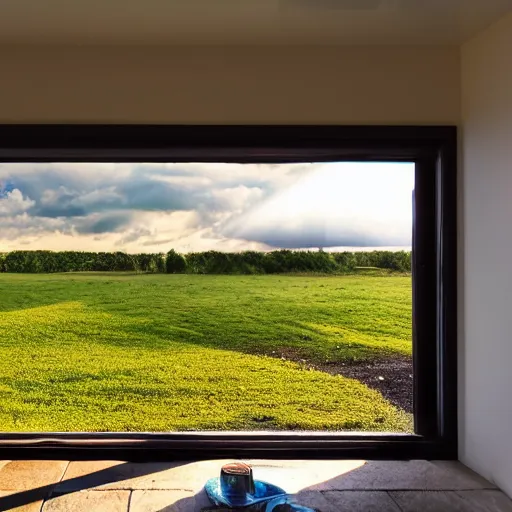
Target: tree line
x,y
209,262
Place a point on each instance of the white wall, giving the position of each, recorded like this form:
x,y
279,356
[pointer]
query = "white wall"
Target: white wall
x,y
385,85
486,255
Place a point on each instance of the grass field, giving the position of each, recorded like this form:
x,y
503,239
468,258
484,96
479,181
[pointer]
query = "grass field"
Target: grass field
x,y
128,352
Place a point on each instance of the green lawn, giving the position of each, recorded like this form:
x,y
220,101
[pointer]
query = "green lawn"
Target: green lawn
x,y
125,352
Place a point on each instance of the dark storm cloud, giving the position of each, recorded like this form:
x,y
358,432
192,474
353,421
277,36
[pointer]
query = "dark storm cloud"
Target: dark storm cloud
x,y
57,196
293,233
77,190
150,195
309,238
136,194
34,185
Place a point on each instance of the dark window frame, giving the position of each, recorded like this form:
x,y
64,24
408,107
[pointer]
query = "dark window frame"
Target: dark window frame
x,y
432,148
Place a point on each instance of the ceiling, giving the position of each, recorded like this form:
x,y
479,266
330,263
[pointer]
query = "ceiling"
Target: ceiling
x,y
225,22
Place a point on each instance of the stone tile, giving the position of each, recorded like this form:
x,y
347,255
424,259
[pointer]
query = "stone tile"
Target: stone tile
x,y
402,475
298,475
20,475
295,476
292,476
168,501
359,501
315,500
89,501
462,477
449,501
18,502
145,476
489,500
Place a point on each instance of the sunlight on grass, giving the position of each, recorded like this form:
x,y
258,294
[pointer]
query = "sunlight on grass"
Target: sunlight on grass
x,y
160,353
349,340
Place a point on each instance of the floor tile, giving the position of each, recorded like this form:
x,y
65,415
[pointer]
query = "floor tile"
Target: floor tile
x,y
359,501
450,501
315,500
295,476
89,501
21,475
403,475
16,501
461,476
488,501
168,501
144,476
292,476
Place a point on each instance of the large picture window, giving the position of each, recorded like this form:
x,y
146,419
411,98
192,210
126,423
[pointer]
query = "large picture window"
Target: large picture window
x,y
212,291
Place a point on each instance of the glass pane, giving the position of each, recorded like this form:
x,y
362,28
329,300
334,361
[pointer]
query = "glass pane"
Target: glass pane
x,y
171,297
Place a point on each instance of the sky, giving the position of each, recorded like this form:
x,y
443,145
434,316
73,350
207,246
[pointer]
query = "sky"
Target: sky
x,y
154,207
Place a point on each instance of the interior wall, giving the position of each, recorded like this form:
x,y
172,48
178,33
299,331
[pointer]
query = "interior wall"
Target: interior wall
x,y
359,85
260,85
485,350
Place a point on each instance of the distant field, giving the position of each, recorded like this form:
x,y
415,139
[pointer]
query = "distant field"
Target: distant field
x,y
140,352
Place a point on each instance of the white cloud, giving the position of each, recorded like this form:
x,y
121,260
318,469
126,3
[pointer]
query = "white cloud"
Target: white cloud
x,y
237,199
337,205
13,203
195,207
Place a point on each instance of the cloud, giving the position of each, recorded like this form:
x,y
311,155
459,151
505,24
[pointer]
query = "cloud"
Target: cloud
x,y
337,205
13,203
317,234
20,226
72,190
192,207
80,188
63,202
98,224
134,235
236,199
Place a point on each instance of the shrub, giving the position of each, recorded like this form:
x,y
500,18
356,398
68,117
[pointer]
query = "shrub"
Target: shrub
x,y
209,262
299,261
345,260
175,263
147,262
68,261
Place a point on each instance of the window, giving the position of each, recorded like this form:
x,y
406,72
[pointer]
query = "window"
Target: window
x,y
248,348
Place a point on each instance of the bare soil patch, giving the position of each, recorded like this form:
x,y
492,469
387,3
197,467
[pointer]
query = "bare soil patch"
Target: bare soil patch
x,y
391,375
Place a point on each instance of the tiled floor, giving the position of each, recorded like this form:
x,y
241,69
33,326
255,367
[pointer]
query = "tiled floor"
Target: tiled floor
x,y
329,486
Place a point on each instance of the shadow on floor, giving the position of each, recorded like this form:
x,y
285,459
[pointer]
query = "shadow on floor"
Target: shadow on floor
x,y
127,471
101,477
299,501
353,475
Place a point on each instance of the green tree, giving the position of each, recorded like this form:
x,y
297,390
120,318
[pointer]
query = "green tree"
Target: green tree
x,y
175,263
